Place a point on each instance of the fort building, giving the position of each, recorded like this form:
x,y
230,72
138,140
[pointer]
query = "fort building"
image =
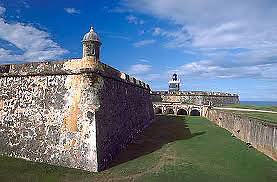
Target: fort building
x,y
77,113
174,95
255,132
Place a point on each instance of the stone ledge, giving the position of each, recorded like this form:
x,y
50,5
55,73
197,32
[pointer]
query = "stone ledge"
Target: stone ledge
x,y
68,67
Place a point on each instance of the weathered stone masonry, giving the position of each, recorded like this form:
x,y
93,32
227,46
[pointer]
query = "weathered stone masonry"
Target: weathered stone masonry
x,y
198,98
76,114
174,95
262,136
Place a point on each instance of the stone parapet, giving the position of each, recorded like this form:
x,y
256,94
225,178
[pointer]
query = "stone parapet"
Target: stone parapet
x,y
68,67
194,93
215,100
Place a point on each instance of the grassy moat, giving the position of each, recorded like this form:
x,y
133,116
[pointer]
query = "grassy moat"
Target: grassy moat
x,y
171,149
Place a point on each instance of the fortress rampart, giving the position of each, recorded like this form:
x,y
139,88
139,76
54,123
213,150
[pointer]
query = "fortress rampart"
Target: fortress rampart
x,y
260,135
75,113
196,97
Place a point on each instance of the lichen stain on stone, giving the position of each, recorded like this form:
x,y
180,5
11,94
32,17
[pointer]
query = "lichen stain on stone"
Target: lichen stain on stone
x,y
74,83
79,64
66,146
2,105
73,142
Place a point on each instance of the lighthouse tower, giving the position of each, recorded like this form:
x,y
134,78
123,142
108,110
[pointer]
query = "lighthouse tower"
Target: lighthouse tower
x,y
91,46
174,84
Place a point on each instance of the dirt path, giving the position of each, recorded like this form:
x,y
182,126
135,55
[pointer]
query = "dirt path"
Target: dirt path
x,y
246,110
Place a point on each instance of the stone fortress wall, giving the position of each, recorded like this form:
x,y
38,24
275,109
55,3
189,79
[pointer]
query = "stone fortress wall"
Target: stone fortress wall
x,y
76,113
196,97
260,135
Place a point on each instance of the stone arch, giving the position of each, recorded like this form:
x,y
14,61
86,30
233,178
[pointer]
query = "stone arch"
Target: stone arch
x,y
182,112
195,112
158,110
169,111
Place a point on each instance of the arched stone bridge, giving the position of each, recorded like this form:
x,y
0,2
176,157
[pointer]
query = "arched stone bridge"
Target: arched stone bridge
x,y
179,109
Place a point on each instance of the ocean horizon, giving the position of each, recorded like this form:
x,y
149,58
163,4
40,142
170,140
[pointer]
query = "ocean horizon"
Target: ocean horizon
x,y
259,103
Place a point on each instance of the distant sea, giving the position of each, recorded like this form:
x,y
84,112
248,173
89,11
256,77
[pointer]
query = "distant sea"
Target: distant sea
x,y
259,103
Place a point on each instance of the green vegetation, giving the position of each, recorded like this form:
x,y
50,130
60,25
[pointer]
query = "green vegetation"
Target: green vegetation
x,y
259,116
241,106
185,149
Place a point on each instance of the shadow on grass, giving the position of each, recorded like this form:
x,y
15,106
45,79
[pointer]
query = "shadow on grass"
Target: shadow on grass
x,y
163,130
13,170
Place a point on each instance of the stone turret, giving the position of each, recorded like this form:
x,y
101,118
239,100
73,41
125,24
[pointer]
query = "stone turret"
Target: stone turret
x,y
91,46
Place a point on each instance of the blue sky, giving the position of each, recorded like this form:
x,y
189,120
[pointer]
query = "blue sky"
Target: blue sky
x,y
228,46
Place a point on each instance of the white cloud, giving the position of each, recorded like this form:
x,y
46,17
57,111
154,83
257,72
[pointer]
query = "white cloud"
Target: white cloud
x,y
144,72
144,43
26,5
139,68
35,44
219,30
157,31
134,20
6,56
2,10
144,61
72,11
206,69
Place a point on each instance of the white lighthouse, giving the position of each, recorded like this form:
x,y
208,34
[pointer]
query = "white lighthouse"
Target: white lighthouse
x,y
174,84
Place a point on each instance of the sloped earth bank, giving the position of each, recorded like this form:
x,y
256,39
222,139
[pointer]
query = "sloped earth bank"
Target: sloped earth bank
x,y
171,149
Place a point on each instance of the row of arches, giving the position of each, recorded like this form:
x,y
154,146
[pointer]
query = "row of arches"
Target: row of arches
x,y
194,112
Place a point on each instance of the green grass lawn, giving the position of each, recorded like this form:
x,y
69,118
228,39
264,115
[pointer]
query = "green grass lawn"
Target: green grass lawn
x,y
185,149
260,116
242,106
